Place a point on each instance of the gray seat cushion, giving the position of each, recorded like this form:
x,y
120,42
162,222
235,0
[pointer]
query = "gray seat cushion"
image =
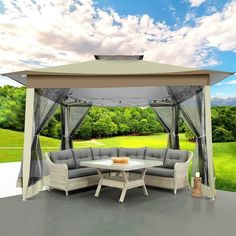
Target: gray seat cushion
x,y
82,172
155,154
159,171
104,153
137,153
139,171
82,154
63,157
174,156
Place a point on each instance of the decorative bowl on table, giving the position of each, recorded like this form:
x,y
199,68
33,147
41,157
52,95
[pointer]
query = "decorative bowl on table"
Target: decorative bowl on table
x,y
120,160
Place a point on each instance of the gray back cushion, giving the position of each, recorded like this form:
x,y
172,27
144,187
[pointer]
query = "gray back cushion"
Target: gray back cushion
x,y
174,156
155,154
137,153
63,157
104,153
82,154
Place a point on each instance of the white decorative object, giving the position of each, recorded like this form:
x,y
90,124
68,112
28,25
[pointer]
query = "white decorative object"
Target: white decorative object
x,y
197,174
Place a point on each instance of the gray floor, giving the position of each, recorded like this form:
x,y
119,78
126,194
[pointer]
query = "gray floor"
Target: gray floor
x,y
161,213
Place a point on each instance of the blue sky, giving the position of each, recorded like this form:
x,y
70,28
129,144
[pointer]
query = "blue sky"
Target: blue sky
x,y
194,33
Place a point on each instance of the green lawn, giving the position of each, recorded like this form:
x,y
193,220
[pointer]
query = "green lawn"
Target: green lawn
x,y
11,143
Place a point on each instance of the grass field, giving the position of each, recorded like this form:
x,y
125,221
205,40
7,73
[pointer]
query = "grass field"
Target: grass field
x,y
11,143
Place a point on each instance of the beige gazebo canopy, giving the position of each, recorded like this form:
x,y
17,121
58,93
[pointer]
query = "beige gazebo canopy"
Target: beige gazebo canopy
x,y
172,91
116,71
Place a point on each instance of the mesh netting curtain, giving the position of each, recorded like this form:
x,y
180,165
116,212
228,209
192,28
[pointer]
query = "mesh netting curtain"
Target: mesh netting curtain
x,y
72,117
193,112
169,117
44,109
190,104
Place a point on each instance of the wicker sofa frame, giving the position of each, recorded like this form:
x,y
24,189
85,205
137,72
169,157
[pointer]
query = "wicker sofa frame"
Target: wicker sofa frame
x,y
60,170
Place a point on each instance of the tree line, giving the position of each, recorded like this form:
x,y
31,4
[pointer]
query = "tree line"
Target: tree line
x,y
107,122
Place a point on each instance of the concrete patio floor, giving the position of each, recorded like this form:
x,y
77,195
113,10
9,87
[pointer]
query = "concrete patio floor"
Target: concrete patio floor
x,y
8,176
161,213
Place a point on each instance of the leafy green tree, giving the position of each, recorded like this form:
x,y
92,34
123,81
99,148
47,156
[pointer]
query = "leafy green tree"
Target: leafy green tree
x,y
224,124
110,121
53,129
220,134
143,126
123,129
189,134
182,125
104,126
85,130
12,107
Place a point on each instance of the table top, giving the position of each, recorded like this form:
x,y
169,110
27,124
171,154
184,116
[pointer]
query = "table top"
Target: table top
x,y
133,164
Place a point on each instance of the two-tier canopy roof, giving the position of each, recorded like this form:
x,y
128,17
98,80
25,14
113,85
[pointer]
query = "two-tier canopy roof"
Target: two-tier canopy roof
x,y
119,80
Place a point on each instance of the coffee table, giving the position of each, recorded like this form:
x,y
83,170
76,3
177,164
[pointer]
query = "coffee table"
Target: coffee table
x,y
121,179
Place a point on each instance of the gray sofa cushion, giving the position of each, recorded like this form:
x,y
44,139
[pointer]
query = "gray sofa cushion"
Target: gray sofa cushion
x,y
101,157
174,156
63,157
82,172
155,154
139,171
104,153
137,153
82,154
159,171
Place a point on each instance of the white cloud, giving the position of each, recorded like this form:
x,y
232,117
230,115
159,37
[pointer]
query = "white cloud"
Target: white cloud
x,y
196,3
232,82
7,81
47,33
190,16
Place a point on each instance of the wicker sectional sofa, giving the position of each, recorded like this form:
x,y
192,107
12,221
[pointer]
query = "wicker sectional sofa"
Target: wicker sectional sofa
x,y
66,173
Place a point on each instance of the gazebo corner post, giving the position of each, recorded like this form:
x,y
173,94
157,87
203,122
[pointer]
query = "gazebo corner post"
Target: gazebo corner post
x,y
28,139
209,147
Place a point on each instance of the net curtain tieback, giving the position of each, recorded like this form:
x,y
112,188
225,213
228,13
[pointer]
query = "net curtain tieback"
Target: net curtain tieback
x,y
173,134
36,139
35,147
201,137
66,142
201,140
67,137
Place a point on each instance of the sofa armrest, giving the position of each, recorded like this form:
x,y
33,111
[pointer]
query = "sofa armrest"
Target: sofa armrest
x,y
56,169
182,167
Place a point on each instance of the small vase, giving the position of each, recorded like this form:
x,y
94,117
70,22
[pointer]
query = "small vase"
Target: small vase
x,y
197,188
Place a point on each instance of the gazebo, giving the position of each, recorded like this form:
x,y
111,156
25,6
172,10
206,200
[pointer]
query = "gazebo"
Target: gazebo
x,y
120,80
